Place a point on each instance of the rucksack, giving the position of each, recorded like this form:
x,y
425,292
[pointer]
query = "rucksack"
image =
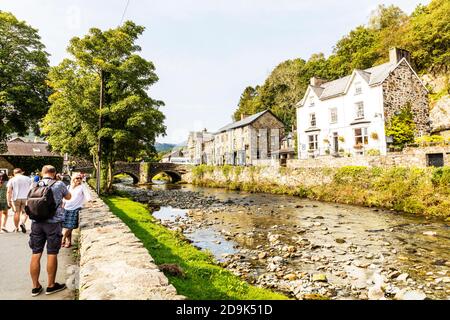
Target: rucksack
x,y
41,204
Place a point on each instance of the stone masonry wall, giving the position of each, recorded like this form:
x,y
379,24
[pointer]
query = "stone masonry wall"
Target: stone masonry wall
x,y
410,157
271,175
401,88
114,265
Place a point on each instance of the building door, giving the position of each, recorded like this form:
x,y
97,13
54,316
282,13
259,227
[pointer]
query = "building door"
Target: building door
x,y
335,142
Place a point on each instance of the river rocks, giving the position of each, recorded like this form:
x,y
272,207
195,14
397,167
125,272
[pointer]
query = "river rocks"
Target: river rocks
x,y
262,255
410,295
376,293
403,277
273,238
281,248
290,277
319,277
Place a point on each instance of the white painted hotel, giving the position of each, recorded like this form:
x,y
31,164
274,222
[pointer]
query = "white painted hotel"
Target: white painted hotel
x,y
347,116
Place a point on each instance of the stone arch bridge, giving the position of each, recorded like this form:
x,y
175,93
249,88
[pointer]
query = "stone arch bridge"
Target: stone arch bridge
x,y
143,172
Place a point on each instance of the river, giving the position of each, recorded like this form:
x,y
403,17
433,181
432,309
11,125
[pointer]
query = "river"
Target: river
x,y
307,248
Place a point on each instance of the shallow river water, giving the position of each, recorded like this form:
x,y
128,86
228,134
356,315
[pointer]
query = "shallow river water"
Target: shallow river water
x,y
304,247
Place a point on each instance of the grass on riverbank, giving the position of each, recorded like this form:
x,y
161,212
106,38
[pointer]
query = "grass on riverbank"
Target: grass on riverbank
x,y
204,279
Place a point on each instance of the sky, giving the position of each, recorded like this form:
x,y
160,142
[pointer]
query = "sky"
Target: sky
x,y
205,51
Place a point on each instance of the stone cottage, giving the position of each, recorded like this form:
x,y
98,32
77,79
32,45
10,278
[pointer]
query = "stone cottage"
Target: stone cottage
x,y
195,149
248,141
348,115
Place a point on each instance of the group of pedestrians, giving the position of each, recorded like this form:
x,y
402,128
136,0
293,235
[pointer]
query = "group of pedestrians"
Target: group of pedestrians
x,y
54,211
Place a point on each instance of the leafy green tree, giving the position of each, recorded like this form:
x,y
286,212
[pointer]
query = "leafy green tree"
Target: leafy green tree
x,y
402,128
357,50
248,103
390,25
23,71
428,36
131,120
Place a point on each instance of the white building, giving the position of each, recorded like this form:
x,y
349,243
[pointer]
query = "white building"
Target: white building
x,y
348,115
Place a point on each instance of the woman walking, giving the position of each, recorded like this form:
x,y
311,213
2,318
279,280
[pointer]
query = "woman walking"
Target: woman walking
x,y
3,202
72,208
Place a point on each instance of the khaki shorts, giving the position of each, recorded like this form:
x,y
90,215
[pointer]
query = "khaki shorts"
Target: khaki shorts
x,y
19,205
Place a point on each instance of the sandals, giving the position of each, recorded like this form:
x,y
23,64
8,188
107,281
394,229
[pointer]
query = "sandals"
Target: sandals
x,y
5,230
67,245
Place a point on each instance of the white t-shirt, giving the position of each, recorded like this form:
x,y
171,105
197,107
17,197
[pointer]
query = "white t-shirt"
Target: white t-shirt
x,y
80,195
20,185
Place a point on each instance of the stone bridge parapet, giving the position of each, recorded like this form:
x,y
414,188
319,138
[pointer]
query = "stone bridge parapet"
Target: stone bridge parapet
x,y
143,172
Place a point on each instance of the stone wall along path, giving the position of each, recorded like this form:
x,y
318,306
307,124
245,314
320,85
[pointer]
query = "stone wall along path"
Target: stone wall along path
x,y
114,264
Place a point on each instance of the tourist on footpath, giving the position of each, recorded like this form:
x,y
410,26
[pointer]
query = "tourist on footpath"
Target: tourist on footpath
x,y
3,202
35,177
17,194
46,231
72,207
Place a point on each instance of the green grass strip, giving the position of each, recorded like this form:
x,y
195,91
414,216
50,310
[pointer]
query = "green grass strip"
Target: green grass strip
x,y
204,279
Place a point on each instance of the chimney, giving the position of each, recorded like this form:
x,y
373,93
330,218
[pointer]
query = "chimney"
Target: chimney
x,y
316,82
397,54
243,116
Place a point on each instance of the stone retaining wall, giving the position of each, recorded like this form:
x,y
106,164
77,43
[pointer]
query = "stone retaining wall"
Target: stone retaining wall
x,y
114,265
409,157
287,177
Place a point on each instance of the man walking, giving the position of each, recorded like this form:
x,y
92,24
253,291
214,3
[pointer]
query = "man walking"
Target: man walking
x,y
47,231
17,193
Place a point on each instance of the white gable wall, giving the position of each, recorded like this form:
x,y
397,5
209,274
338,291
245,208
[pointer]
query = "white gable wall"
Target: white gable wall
x,y
372,98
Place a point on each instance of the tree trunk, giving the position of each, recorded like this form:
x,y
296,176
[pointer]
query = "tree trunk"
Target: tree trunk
x,y
109,177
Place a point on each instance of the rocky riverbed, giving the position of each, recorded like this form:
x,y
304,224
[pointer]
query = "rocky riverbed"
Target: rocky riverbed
x,y
311,250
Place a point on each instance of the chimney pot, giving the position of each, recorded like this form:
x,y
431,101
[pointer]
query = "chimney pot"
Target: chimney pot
x,y
316,82
397,54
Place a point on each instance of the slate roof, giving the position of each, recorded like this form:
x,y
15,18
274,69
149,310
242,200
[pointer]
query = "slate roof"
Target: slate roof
x,y
18,147
243,122
372,76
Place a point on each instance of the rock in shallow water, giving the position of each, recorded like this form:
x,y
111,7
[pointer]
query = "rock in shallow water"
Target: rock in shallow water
x,y
319,278
375,293
410,295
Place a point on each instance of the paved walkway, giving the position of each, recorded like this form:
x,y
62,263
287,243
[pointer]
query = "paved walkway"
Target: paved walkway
x,y
15,281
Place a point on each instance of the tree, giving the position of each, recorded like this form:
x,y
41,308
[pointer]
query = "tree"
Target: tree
x,y
248,103
131,120
390,25
354,51
23,71
402,128
428,36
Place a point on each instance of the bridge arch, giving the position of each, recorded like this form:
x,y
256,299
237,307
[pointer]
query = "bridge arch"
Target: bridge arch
x,y
174,176
132,175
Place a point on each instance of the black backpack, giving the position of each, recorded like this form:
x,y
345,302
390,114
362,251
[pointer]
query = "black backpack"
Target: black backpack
x,y
41,204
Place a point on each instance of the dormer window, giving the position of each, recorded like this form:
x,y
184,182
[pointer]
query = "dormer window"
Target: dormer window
x,y
358,88
312,119
359,110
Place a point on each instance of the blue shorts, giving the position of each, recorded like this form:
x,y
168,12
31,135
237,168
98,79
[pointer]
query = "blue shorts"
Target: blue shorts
x,y
44,232
71,218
